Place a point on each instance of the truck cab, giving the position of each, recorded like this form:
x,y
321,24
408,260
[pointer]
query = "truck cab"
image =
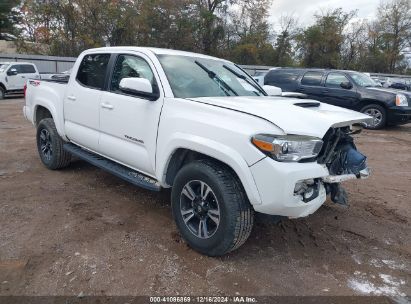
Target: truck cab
x,y
13,77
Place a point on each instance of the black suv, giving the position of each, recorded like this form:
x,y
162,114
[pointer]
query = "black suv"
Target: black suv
x,y
347,89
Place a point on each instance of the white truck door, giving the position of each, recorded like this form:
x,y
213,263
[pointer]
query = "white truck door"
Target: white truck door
x,y
82,101
15,78
128,123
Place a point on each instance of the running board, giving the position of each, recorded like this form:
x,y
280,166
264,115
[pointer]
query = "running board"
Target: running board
x,y
129,175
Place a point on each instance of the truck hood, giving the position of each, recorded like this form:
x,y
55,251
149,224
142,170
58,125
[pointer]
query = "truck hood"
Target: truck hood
x,y
293,116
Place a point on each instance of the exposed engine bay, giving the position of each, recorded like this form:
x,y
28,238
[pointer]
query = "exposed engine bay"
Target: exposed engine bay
x,y
343,161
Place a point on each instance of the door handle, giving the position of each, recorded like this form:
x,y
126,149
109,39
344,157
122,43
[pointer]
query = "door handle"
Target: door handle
x,y
107,106
23,76
72,98
326,91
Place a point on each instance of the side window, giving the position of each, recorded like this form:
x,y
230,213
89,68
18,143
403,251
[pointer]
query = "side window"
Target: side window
x,y
92,70
27,69
128,66
312,79
16,67
334,80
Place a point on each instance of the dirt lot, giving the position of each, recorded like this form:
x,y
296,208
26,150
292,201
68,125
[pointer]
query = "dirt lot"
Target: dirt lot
x,y
82,230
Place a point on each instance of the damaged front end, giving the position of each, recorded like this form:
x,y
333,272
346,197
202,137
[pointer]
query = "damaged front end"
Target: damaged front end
x,y
343,160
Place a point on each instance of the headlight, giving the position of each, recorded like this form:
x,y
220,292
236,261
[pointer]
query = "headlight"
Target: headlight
x,y
288,148
401,100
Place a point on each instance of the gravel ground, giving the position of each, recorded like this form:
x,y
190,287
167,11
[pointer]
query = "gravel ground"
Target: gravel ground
x,y
82,230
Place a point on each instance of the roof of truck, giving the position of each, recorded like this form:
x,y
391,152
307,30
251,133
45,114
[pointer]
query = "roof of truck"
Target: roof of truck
x,y
157,51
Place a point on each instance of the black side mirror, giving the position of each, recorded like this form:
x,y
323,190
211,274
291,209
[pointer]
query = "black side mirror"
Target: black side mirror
x,y
12,72
346,85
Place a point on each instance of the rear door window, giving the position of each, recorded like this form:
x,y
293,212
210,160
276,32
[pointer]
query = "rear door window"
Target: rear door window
x,y
92,70
312,79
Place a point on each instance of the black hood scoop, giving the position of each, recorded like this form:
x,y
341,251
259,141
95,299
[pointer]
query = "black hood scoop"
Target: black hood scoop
x,y
308,104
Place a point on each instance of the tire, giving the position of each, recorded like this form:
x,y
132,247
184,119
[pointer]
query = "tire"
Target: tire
x,y
50,146
2,93
378,113
226,195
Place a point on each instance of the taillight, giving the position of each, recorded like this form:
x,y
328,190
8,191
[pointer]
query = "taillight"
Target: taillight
x,y
25,89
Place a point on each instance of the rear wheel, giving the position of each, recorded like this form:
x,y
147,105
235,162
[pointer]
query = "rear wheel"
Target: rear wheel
x,y
50,146
210,208
379,115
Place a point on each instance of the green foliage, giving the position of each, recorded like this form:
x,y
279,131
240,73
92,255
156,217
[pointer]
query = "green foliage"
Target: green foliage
x,y
235,29
246,54
8,17
321,43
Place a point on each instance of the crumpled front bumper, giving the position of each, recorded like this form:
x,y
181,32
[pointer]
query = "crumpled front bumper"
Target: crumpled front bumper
x,y
276,183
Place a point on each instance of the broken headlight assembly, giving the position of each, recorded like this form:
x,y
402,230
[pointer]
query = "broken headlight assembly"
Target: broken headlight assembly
x,y
288,148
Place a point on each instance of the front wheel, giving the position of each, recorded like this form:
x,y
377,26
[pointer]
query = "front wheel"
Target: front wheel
x,y
379,115
210,208
2,93
50,146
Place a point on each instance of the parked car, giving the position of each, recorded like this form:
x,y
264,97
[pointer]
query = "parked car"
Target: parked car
x,y
13,76
259,77
164,118
348,89
399,84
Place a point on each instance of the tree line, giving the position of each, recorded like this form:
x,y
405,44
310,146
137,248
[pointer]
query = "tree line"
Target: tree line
x,y
239,30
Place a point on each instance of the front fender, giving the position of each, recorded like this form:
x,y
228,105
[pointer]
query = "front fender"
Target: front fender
x,y
212,149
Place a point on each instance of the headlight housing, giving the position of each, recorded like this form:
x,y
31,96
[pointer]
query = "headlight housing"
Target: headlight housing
x,y
288,148
401,100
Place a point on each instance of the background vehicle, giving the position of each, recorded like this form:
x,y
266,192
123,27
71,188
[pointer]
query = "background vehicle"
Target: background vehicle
x,y
399,84
13,76
348,89
259,77
162,118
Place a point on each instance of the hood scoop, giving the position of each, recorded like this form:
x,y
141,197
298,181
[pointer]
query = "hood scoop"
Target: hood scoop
x,y
310,104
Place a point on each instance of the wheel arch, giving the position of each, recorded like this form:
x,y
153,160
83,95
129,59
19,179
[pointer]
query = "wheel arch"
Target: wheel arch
x,y
41,112
45,109
182,154
367,102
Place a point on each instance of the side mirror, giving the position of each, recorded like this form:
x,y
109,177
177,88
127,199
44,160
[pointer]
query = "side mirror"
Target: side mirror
x,y
139,87
12,72
346,85
272,90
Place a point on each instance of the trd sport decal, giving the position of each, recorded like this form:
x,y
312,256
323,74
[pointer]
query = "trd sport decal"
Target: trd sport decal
x,y
134,139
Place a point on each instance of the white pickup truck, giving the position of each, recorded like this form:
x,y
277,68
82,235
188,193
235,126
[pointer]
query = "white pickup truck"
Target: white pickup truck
x,y
13,76
201,125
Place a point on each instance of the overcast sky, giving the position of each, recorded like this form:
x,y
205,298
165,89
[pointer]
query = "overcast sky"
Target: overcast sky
x,y
304,10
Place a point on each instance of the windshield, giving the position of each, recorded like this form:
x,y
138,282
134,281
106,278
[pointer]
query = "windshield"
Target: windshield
x,y
191,77
363,80
3,67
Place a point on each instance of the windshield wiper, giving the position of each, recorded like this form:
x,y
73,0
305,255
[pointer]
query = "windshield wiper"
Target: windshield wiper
x,y
213,75
244,78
